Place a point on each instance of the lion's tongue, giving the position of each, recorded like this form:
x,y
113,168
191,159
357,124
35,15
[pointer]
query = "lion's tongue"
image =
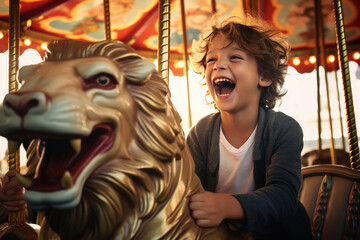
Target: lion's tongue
x,y
60,157
57,159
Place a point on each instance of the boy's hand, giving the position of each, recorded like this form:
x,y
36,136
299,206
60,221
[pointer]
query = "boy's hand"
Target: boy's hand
x,y
11,193
210,209
207,209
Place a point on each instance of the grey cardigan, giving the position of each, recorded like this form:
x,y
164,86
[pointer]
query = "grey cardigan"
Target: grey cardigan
x,y
277,167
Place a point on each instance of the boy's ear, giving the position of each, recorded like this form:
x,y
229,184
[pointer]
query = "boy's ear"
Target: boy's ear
x,y
265,82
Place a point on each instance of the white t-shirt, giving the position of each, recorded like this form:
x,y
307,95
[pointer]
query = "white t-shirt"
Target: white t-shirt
x,y
236,170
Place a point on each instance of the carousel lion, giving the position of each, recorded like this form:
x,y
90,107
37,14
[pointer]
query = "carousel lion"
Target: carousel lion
x,y
113,161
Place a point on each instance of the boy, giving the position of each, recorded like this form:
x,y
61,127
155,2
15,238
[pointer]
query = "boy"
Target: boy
x,y
247,156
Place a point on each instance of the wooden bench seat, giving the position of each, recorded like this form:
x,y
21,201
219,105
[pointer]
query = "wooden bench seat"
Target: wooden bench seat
x,y
331,197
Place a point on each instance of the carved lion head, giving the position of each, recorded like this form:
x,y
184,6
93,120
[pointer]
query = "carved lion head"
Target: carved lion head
x,y
111,153
111,135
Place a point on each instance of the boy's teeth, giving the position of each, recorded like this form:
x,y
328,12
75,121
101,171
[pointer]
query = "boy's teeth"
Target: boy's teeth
x,y
221,80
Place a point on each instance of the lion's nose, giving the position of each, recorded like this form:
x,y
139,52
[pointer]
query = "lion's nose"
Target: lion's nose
x,y
23,103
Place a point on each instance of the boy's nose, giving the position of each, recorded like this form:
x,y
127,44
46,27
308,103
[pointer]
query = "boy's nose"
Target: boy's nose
x,y
220,65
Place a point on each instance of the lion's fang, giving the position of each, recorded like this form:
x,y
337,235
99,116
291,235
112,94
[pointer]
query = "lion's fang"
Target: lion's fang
x,y
76,145
23,180
13,146
67,180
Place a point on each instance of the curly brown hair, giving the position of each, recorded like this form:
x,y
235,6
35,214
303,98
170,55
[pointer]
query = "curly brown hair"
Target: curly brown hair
x,y
257,38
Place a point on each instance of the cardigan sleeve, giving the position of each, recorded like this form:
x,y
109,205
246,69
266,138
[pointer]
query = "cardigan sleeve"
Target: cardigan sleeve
x,y
197,152
278,199
203,142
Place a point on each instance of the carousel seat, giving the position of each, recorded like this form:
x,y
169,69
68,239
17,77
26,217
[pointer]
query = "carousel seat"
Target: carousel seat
x,y
323,156
331,197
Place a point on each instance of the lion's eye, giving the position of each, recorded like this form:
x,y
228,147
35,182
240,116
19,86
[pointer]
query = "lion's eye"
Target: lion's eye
x,y
102,81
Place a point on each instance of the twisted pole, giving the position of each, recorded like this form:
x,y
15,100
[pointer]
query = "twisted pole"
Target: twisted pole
x,y
164,39
15,218
344,67
107,21
17,228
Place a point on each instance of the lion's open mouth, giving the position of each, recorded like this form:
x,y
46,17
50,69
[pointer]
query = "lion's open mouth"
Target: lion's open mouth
x,y
61,164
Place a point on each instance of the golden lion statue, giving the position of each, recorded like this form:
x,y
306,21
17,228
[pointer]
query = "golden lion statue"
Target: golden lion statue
x,y
113,161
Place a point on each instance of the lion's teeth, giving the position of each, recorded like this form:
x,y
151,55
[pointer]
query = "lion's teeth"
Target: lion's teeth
x,y
23,181
76,145
13,146
67,180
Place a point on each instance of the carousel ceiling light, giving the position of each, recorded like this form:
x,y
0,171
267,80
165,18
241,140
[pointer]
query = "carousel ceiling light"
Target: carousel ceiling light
x,y
312,59
180,64
331,58
43,46
27,42
1,35
28,23
296,61
356,55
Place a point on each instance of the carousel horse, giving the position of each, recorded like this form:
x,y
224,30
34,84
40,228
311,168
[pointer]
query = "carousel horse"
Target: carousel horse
x,y
112,157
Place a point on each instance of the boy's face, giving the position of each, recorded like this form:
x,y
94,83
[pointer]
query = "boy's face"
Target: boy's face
x,y
232,76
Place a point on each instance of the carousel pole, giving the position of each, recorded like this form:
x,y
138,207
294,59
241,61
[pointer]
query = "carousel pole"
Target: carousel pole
x,y
107,21
15,218
164,39
340,114
185,56
213,6
321,42
317,54
17,227
344,66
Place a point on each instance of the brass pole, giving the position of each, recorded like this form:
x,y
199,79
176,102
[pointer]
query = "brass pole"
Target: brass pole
x,y
254,6
107,22
344,66
321,39
14,218
213,6
317,55
340,114
164,39
186,57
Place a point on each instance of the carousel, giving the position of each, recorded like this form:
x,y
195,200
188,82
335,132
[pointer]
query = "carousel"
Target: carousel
x,y
90,196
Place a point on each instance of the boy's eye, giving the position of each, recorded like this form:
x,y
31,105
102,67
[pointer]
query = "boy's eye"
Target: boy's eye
x,y
210,60
236,57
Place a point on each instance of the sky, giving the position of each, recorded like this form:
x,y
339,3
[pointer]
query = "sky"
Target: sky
x,y
300,102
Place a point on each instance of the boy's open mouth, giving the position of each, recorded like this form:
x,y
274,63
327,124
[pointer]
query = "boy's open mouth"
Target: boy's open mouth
x,y
223,86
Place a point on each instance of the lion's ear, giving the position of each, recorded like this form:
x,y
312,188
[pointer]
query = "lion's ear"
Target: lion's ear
x,y
26,71
137,70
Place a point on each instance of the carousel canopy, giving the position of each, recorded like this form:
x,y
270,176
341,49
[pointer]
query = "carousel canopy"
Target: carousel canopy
x,y
135,22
